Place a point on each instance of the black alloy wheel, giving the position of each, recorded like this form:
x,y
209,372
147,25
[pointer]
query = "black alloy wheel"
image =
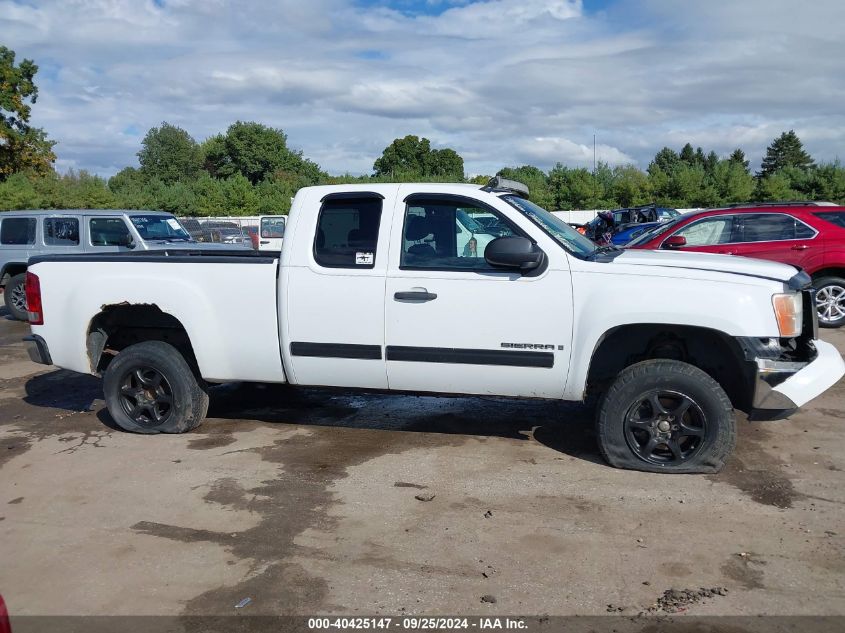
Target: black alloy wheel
x,y
146,396
665,427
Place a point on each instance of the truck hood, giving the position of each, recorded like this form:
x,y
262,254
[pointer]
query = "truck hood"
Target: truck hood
x,y
708,262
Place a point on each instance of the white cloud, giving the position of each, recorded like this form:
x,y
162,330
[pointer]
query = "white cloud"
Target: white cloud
x,y
502,81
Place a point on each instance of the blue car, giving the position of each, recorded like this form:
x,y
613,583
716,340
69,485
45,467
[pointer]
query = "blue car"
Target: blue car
x,y
630,232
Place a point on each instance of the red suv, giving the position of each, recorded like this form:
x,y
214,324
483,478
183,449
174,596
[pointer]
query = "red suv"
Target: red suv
x,y
807,234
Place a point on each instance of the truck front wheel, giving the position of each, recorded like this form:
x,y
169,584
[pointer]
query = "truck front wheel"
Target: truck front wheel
x,y
666,416
150,388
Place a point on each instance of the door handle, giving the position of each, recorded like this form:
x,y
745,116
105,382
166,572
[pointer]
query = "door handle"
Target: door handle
x,y
800,247
265,241
420,296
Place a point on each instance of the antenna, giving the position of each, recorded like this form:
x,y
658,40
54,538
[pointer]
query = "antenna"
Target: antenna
x,y
594,154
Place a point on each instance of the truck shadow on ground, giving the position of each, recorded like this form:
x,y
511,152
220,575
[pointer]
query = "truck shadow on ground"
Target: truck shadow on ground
x,y
564,427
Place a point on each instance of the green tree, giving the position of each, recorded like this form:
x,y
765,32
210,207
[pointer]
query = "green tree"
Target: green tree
x,y
630,186
168,153
732,181
18,192
22,147
241,197
536,180
411,158
666,159
777,186
787,150
256,151
687,155
738,157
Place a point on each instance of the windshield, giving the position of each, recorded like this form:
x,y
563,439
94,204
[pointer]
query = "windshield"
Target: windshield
x,y
160,227
564,234
655,231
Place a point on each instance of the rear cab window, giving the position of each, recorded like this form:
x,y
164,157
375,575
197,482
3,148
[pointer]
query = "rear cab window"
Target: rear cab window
x,y
17,231
347,230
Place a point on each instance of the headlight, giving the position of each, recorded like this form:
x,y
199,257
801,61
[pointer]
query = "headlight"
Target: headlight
x,y
789,313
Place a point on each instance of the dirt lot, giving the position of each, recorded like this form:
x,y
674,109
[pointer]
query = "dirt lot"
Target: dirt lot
x,y
306,503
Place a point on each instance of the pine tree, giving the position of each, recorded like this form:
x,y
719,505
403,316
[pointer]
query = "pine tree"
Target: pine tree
x,y
787,150
738,157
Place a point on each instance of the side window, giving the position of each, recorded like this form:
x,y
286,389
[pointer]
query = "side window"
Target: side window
x,y
273,227
61,231
445,235
347,233
716,230
802,231
773,227
109,232
17,231
834,217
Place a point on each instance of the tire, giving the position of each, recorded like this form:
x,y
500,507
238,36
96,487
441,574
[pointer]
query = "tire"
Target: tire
x,y
830,301
150,388
15,297
630,427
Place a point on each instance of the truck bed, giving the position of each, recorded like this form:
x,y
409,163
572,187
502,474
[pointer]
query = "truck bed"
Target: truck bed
x,y
225,299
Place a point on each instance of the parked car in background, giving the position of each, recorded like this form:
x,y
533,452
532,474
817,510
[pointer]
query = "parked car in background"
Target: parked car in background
x,y
809,235
227,233
272,232
25,234
632,231
644,213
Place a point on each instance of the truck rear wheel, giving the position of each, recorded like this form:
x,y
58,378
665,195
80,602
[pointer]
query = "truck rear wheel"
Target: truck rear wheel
x,y
15,297
666,416
150,388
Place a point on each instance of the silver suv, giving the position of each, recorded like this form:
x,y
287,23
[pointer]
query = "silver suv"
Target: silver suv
x,y
25,234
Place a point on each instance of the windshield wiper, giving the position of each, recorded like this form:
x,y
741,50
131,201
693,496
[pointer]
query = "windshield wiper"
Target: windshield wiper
x,y
611,250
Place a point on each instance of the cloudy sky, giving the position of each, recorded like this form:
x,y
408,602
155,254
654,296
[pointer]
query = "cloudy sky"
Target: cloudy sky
x,y
504,82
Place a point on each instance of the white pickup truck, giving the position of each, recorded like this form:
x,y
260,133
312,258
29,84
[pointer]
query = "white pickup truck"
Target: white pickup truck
x,y
376,289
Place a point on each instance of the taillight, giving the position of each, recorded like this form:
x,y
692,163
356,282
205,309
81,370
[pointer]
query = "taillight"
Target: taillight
x,y
34,310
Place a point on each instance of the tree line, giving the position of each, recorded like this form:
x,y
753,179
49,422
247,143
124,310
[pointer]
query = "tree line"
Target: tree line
x,y
249,169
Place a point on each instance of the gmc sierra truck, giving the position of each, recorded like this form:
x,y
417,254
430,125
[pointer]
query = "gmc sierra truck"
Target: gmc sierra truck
x,y
378,288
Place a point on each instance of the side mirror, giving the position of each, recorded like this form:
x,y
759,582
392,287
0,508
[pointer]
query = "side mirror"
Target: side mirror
x,y
674,242
127,241
517,253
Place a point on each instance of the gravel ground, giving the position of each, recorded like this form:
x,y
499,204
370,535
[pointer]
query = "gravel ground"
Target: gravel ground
x,y
340,503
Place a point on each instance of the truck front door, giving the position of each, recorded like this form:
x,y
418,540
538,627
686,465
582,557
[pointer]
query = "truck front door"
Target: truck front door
x,y
455,324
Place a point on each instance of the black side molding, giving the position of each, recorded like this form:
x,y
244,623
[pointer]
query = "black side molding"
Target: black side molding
x,y
471,356
336,350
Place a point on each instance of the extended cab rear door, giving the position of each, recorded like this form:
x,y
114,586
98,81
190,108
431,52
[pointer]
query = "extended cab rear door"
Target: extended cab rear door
x,y
454,324
331,297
